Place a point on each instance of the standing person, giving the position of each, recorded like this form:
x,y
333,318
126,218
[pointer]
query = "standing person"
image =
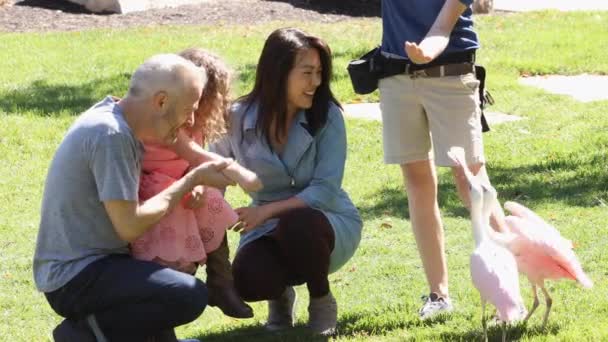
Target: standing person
x,y
90,212
430,106
302,226
194,233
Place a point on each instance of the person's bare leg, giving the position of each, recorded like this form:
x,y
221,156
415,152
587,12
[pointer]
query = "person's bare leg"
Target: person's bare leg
x,y
421,186
497,220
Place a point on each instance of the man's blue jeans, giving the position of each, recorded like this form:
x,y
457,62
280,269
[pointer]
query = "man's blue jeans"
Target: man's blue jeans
x,y
130,299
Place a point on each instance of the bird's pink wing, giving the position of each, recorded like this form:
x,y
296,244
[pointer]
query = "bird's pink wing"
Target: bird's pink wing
x,y
494,274
536,222
555,247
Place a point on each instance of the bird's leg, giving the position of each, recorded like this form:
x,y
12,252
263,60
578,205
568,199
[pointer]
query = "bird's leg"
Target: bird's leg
x,y
534,304
504,331
549,303
483,320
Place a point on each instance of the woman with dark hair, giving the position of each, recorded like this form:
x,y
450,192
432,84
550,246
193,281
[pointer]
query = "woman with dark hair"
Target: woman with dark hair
x,y
301,226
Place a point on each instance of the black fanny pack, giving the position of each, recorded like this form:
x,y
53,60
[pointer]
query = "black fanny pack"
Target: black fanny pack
x,y
367,70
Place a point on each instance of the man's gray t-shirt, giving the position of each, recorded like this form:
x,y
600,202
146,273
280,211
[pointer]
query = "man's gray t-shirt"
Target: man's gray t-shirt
x,y
98,160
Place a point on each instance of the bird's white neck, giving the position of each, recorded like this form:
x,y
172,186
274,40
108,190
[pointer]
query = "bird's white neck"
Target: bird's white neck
x,y
480,214
479,225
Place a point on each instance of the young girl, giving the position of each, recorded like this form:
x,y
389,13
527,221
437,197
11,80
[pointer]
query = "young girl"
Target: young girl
x,y
195,232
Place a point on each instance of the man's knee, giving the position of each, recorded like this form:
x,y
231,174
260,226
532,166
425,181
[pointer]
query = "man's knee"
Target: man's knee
x,y
188,298
197,298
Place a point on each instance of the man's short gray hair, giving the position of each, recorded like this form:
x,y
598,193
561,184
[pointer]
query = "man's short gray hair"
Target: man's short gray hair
x,y
164,72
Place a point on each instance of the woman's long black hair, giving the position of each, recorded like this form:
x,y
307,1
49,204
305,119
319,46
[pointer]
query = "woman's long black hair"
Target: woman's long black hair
x,y
278,58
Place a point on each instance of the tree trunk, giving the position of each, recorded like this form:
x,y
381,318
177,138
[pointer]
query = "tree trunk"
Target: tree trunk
x,y
483,6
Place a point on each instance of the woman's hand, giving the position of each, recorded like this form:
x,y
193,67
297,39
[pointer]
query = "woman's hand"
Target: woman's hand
x,y
250,217
195,200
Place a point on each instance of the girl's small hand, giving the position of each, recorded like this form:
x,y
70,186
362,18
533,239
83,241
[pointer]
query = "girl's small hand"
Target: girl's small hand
x,y
195,200
249,218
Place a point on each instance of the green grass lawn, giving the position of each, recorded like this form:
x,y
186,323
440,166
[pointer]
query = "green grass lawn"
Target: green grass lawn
x,y
554,161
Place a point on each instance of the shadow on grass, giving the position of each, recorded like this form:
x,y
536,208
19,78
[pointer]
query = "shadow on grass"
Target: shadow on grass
x,y
258,333
575,180
47,99
390,201
349,325
514,333
353,8
570,179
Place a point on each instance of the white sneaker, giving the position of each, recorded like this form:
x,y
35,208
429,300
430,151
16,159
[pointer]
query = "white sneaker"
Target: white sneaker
x,y
281,311
434,305
323,315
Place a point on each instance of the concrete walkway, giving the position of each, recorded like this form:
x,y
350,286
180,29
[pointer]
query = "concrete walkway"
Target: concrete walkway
x,y
584,88
371,111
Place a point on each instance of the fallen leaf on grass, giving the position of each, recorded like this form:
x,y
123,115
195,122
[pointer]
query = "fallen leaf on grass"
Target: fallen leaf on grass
x,y
386,225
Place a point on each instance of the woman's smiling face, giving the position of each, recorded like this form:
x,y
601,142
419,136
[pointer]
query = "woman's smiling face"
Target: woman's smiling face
x,y
303,80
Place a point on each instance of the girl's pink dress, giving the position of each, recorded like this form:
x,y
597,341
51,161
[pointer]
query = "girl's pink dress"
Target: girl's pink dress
x,y
183,237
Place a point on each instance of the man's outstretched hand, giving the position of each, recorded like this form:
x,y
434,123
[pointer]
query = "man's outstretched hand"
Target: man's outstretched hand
x,y
427,50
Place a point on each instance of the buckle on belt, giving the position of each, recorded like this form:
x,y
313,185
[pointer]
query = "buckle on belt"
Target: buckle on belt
x,y
418,73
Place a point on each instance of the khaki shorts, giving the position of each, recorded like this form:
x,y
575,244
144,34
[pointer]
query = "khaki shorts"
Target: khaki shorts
x,y
430,114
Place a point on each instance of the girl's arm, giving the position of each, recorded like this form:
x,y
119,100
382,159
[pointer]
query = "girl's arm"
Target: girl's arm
x,y
188,149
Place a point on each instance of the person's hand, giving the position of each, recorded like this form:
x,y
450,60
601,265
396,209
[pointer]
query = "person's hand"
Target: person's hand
x,y
195,200
249,218
427,50
210,174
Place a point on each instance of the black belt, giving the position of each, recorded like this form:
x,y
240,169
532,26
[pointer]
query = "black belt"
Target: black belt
x,y
450,65
439,70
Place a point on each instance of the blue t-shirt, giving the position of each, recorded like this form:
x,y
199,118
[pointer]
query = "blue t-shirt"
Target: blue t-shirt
x,y
410,20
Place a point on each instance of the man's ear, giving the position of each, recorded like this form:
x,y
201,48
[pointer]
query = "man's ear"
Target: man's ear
x,y
160,100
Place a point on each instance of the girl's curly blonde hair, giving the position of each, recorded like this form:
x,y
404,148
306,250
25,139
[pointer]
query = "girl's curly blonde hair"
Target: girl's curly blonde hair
x,y
212,114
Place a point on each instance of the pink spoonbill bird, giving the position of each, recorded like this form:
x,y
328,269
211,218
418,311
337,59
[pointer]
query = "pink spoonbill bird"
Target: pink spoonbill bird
x,y
493,267
541,253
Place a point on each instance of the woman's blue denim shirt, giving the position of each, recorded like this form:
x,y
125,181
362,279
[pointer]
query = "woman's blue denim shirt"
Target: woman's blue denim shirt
x,y
310,168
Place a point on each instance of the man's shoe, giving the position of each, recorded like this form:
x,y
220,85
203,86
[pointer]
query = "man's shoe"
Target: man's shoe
x,y
434,305
70,331
281,311
323,315
169,336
